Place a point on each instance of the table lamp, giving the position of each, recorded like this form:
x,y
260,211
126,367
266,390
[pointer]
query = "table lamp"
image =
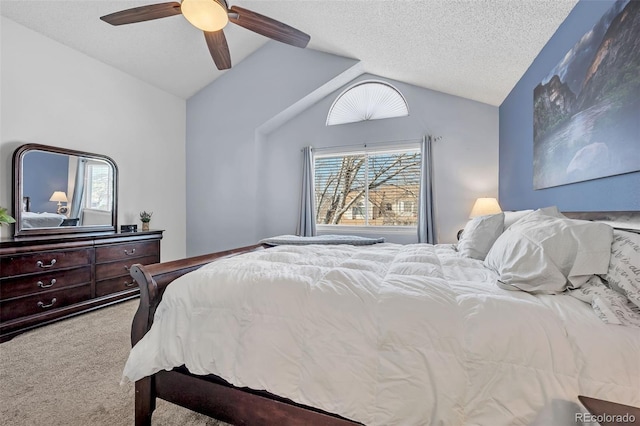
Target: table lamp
x,y
60,197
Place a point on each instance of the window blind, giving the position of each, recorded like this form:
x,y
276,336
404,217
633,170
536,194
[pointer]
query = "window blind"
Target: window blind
x,y
372,188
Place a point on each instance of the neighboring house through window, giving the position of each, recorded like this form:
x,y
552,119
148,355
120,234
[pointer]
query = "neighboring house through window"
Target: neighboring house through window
x,y
374,187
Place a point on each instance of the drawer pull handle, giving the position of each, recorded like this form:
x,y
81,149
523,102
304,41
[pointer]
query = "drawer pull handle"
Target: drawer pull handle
x,y
129,253
40,264
130,284
43,306
43,285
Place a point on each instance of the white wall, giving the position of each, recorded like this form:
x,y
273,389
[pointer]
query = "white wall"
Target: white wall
x,y
465,159
54,95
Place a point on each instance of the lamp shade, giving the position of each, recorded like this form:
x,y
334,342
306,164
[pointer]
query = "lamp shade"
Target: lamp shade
x,y
59,196
485,206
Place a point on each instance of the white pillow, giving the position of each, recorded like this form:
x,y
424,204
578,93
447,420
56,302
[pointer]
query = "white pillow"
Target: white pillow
x,y
539,253
512,217
479,235
551,211
623,274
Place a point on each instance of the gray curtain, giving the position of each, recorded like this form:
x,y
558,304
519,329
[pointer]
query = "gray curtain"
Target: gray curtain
x,y
426,225
307,221
78,189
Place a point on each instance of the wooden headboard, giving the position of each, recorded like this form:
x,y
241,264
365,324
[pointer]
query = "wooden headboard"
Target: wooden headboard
x,y
629,220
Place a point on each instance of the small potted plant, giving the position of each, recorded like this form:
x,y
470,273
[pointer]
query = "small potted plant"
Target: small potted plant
x,y
5,218
145,218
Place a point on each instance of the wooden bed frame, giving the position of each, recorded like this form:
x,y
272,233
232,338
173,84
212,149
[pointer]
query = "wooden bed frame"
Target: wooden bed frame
x,y
211,395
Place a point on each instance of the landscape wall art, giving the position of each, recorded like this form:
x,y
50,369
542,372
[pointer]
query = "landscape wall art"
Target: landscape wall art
x,y
586,119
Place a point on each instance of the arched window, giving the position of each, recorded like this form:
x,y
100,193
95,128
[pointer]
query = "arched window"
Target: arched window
x,y
367,100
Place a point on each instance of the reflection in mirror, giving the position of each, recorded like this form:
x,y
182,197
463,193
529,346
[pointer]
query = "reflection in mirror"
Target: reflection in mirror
x,y
63,191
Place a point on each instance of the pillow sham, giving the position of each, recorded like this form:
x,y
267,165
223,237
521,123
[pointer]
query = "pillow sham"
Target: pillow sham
x,y
623,274
545,254
552,211
611,306
512,217
479,235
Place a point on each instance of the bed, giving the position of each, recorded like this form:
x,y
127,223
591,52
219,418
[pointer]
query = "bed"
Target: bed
x,y
41,220
382,334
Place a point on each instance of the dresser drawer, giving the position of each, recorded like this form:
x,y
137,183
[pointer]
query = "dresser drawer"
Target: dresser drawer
x,y
126,251
88,272
42,302
30,284
116,269
43,261
114,285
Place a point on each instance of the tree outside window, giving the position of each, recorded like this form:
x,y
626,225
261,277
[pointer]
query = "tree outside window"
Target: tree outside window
x,y
377,188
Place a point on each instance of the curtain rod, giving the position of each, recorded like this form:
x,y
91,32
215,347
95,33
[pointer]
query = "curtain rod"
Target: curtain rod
x,y
367,144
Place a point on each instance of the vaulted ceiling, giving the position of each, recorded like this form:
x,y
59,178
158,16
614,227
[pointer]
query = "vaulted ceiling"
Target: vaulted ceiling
x,y
476,49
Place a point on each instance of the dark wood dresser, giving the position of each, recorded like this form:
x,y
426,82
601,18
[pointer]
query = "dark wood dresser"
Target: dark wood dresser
x,y
46,279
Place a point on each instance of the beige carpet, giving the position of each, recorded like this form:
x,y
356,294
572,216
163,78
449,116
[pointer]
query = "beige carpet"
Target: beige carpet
x,y
68,373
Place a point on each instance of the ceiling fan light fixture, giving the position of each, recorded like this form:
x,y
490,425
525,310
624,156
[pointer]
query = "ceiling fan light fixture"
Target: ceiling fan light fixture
x,y
207,15
211,16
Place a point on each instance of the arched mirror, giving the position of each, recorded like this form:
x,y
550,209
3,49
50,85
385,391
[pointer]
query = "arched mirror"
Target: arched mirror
x,y
62,191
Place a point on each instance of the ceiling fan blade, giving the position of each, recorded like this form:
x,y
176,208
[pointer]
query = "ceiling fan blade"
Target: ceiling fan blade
x,y
143,13
217,43
268,27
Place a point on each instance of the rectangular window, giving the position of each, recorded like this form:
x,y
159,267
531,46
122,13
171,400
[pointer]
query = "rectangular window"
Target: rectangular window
x,y
370,188
98,190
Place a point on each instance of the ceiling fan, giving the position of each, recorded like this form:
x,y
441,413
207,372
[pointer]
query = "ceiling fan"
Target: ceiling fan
x,y
211,16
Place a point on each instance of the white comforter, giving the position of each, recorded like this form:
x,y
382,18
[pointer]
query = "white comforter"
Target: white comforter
x,y
41,220
389,335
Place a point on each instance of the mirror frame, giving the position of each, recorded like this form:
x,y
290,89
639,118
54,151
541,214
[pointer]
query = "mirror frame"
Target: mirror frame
x,y
18,156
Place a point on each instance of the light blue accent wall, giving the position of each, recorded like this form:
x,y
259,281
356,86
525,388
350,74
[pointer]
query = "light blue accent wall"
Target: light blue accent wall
x,y
620,192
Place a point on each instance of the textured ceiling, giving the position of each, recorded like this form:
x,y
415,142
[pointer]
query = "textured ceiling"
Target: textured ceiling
x,y
477,49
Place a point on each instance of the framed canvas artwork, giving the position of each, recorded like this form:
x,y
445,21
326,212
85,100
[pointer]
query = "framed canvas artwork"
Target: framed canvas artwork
x,y
586,119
